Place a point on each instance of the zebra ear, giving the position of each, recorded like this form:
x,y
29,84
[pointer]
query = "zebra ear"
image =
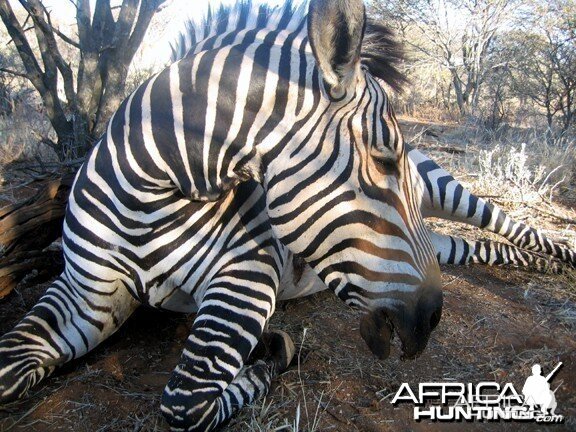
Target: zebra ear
x,y
336,29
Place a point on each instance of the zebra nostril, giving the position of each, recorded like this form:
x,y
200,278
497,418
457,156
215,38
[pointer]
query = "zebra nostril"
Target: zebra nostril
x,y
435,318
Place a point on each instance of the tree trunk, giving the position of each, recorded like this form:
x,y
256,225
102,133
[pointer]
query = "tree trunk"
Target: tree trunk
x,y
460,98
107,43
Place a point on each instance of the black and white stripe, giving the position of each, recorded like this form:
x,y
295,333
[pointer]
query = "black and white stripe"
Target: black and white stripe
x,y
440,195
205,173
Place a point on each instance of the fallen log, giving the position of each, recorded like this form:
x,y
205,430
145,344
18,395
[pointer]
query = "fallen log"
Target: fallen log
x,y
35,267
27,228
33,224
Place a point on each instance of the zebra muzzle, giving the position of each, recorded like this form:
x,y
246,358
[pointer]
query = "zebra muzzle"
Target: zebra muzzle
x,y
413,327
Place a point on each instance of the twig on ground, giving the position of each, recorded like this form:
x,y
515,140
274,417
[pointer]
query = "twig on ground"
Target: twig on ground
x,y
560,218
26,414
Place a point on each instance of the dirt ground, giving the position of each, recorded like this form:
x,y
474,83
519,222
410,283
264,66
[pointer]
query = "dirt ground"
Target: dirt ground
x,y
496,323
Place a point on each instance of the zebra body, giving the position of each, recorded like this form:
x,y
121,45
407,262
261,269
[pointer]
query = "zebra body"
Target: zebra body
x,y
273,134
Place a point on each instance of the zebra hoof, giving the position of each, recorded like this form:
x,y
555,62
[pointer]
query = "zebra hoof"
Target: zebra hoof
x,y
275,347
549,265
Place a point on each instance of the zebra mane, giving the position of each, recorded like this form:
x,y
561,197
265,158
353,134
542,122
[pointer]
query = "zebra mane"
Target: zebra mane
x,y
381,52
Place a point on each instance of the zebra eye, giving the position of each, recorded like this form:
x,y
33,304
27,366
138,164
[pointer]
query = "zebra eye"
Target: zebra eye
x,y
386,165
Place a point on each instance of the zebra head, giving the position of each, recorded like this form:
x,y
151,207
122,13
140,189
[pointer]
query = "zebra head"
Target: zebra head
x,y
340,194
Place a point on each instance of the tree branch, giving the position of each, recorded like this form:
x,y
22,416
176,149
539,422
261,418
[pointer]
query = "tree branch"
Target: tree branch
x,y
13,72
49,47
65,38
124,23
83,23
33,70
147,11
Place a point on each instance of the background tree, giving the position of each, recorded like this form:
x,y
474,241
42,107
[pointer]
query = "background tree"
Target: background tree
x,y
542,60
106,41
454,35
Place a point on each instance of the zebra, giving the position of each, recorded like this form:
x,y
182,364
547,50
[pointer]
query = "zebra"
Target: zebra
x,y
441,196
272,136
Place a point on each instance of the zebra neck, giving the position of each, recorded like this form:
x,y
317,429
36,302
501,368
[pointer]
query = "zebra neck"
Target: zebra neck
x,y
221,117
230,127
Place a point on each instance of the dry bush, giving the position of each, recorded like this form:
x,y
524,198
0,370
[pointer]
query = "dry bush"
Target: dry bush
x,y
521,174
516,164
20,135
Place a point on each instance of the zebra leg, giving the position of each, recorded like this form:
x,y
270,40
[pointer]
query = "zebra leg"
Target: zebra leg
x,y
211,382
253,381
459,251
70,319
444,197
